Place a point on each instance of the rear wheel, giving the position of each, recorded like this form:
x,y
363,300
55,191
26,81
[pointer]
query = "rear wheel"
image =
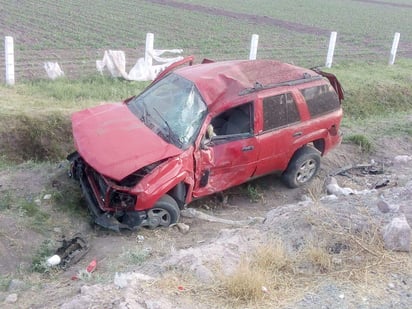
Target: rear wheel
x,y
164,213
302,168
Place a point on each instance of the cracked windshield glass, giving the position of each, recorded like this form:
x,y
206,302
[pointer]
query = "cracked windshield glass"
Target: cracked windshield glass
x,y
172,108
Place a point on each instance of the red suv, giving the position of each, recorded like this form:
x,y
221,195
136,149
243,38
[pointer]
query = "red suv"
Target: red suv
x,y
202,129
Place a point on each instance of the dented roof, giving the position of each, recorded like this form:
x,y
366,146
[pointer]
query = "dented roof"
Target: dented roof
x,y
225,80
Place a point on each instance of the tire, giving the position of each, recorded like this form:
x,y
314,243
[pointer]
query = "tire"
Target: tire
x,y
164,213
302,167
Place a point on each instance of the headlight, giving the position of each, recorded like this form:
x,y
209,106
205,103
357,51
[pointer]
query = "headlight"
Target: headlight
x,y
122,200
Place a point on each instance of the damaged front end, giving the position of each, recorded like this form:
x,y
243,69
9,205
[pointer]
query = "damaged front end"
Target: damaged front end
x,y
111,204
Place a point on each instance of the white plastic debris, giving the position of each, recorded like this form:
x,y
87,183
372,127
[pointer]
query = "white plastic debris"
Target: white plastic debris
x,y
115,62
53,260
47,197
53,70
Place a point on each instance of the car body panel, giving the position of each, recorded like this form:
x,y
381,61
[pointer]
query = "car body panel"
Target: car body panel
x,y
223,81
116,143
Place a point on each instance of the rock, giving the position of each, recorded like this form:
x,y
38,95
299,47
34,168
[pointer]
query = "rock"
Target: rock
x,y
181,227
335,189
397,235
399,160
305,198
204,274
16,285
47,197
385,207
12,298
122,280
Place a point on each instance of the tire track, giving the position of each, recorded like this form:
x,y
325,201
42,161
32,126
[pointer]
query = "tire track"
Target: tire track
x,y
257,19
398,5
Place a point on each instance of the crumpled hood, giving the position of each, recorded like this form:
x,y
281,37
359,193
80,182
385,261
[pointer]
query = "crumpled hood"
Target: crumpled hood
x,y
115,142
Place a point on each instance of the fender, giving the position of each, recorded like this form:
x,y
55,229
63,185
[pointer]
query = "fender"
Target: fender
x,y
163,179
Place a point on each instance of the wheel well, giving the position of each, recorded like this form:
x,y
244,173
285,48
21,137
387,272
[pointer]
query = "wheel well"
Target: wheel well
x,y
179,193
319,144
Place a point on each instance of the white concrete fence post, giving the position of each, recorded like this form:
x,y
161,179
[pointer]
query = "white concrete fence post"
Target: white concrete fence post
x,y
253,47
149,49
331,49
394,48
9,59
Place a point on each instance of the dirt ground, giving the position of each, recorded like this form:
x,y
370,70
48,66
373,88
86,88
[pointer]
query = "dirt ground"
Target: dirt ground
x,y
139,252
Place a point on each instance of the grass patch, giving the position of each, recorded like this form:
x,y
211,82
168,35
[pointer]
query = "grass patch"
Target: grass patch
x,y
360,140
69,198
254,193
38,138
245,284
375,89
91,88
136,256
45,250
6,200
4,283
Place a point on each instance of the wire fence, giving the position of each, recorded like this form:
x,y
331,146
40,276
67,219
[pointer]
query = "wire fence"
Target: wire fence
x,y
81,62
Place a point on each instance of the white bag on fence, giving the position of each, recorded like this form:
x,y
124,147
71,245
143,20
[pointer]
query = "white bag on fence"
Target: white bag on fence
x,y
115,62
53,70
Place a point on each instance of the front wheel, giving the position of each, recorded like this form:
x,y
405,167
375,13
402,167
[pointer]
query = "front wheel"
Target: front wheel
x,y
164,213
302,168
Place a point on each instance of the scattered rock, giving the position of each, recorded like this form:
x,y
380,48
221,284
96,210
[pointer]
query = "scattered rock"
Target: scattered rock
x,y
47,197
181,227
122,280
12,298
334,189
383,206
397,235
16,285
402,159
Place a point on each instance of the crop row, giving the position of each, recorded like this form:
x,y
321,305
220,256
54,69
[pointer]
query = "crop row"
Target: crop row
x,y
75,33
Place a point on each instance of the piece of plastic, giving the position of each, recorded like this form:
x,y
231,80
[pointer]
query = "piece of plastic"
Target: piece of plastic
x,y
92,266
53,260
115,62
53,70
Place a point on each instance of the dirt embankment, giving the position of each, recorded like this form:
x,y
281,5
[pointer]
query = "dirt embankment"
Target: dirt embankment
x,y
331,249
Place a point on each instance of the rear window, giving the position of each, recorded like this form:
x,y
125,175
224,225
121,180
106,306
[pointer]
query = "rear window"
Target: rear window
x,y
278,111
320,99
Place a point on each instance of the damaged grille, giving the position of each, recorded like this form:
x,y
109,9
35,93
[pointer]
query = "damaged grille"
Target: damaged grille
x,y
101,184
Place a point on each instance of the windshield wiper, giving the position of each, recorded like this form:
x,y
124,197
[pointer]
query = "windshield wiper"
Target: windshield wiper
x,y
144,115
173,137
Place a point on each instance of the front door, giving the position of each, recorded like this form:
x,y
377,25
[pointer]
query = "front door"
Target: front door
x,y
230,157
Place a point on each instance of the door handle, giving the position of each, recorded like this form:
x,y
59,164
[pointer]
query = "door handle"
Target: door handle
x,y
248,148
297,134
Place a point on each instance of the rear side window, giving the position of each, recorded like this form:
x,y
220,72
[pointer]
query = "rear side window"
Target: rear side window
x,y
320,99
278,111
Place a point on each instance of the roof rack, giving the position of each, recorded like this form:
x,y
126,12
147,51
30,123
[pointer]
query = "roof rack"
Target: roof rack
x,y
258,86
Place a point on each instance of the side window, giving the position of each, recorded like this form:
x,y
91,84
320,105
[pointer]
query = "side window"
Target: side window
x,y
234,121
279,111
320,99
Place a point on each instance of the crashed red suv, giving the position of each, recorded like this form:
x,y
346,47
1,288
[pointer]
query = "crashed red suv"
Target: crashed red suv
x,y
202,129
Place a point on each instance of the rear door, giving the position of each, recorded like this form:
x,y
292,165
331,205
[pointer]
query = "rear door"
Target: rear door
x,y
280,130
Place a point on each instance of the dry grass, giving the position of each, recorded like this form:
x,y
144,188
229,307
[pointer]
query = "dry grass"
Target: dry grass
x,y
349,250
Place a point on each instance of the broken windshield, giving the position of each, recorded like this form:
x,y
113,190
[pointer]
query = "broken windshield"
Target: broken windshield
x,y
172,108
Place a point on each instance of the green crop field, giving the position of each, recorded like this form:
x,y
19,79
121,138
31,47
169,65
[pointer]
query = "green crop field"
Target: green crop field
x,y
76,33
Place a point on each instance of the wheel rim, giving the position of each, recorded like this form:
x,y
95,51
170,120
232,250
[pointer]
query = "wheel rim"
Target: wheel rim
x,y
306,171
158,217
